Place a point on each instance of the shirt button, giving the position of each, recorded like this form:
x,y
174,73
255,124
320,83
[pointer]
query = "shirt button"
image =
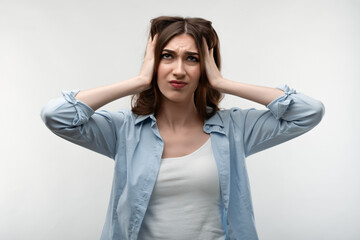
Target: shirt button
x,y
220,128
207,127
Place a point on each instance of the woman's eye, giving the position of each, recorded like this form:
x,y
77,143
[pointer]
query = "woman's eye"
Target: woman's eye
x,y
193,59
165,56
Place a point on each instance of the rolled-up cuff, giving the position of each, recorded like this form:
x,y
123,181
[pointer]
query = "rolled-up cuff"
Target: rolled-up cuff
x,y
279,106
83,111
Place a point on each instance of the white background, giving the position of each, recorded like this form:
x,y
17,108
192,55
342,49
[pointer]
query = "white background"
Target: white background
x,y
307,188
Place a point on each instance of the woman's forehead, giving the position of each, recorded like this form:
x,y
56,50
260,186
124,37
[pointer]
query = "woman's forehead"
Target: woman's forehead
x,y
183,42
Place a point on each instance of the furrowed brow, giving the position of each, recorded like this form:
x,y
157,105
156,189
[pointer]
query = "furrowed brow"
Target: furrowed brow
x,y
173,52
192,53
169,51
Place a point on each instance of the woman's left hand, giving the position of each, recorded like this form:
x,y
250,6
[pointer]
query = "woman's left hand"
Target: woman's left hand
x,y
262,95
214,76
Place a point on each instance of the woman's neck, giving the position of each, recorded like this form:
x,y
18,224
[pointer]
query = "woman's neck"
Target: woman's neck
x,y
174,115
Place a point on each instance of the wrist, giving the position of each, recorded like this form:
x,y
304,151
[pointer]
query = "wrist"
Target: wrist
x,y
219,84
144,83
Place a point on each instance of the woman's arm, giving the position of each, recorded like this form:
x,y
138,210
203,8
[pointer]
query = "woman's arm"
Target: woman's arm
x,y
98,97
289,113
73,115
259,94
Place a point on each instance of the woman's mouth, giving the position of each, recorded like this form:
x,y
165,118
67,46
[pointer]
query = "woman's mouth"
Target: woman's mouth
x,y
177,84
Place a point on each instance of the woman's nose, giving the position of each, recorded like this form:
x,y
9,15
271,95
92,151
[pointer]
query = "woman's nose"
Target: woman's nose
x,y
179,70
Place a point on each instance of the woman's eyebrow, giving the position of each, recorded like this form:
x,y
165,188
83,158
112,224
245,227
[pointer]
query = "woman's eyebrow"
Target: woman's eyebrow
x,y
173,52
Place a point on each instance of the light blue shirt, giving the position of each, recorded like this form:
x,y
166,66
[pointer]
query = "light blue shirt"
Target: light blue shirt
x,y
134,142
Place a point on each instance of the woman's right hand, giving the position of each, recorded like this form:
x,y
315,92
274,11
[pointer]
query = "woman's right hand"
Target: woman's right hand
x,y
147,69
98,97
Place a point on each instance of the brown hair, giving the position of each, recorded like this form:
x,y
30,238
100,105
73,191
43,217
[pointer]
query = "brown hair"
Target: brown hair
x,y
206,98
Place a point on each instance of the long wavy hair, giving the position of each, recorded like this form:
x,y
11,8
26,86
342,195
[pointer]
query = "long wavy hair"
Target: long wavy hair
x,y
206,98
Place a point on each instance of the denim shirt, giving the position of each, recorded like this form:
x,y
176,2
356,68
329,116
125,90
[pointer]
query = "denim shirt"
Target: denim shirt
x,y
134,142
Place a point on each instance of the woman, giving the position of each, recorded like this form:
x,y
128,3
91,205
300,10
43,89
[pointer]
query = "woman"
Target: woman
x,y
179,161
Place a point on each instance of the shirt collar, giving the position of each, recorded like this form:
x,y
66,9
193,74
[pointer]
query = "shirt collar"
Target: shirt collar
x,y
215,120
141,118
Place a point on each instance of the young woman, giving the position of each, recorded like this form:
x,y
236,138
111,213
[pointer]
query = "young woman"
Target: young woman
x,y
180,161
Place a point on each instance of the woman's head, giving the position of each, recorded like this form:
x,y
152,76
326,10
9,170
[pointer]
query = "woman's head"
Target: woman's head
x,y
167,28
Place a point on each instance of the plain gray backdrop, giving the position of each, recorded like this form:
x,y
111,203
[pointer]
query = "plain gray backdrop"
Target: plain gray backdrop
x,y
305,189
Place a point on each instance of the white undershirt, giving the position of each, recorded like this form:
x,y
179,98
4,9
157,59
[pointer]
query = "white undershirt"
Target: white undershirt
x,y
185,203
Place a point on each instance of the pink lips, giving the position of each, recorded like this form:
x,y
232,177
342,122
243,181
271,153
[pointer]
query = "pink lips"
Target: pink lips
x,y
177,84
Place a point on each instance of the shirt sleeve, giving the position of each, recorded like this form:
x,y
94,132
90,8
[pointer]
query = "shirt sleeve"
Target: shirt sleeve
x,y
287,117
76,122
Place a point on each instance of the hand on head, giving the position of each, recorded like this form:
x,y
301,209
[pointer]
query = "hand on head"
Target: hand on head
x,y
147,69
212,71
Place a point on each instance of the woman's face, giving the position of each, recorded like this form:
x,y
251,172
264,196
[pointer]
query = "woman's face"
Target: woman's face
x,y
179,69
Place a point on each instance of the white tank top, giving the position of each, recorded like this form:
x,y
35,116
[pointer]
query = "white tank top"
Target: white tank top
x,y
185,203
